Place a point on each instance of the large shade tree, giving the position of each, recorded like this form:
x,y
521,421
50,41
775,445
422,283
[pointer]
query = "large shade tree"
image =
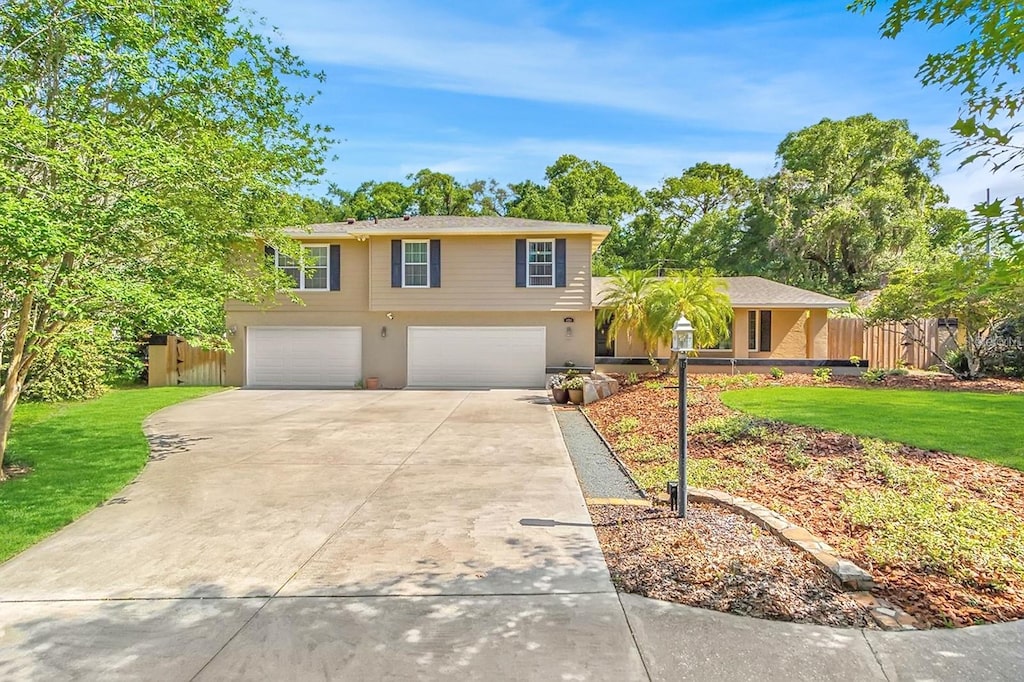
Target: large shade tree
x,y
985,64
147,146
849,194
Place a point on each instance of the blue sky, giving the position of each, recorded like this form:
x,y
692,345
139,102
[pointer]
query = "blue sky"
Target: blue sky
x,y
502,88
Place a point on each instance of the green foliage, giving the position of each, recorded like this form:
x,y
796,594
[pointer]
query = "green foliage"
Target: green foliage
x,y
147,148
879,462
80,454
728,382
79,364
875,375
985,426
854,360
574,384
822,375
930,527
985,68
796,458
955,284
625,425
701,473
730,429
848,196
776,373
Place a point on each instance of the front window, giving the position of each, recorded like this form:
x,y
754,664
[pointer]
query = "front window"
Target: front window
x,y
415,264
312,273
541,264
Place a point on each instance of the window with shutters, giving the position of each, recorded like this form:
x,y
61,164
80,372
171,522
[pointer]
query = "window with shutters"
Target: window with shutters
x,y
540,263
416,264
312,273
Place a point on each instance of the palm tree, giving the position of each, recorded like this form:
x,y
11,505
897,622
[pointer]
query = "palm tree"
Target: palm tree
x,y
638,303
697,294
625,306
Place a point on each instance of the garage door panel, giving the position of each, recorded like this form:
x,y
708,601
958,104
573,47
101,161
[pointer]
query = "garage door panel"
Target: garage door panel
x,y
513,357
318,357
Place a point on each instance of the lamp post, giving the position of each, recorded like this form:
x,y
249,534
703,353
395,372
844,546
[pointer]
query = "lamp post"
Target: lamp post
x,y
682,343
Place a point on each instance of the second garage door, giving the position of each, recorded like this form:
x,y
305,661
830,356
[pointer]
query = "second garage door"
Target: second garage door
x,y
470,357
307,357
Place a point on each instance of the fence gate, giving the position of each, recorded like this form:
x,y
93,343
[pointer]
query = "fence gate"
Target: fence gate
x,y
172,362
891,344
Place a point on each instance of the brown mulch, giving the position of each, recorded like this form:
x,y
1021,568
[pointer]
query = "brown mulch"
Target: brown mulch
x,y
935,600
715,559
12,471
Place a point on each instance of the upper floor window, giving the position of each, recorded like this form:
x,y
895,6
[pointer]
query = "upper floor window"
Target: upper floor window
x,y
313,273
415,263
540,263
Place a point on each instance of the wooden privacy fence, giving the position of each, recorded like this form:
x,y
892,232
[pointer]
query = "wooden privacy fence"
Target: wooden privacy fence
x,y
890,344
172,362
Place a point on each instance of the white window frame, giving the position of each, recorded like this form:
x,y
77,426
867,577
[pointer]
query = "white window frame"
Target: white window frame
x,y
426,264
529,276
302,269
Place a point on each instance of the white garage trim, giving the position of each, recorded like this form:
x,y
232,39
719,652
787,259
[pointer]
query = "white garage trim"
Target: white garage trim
x,y
303,357
477,357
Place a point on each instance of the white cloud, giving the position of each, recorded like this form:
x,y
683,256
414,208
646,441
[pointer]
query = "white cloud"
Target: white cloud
x,y
750,77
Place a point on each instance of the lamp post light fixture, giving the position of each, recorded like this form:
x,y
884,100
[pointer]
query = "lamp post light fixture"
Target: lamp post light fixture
x,y
682,344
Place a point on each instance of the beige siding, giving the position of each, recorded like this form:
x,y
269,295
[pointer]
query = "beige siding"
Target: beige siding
x,y
817,334
385,356
478,273
354,294
789,338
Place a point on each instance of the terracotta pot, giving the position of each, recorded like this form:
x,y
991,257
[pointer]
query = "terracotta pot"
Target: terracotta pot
x,y
560,395
576,396
372,382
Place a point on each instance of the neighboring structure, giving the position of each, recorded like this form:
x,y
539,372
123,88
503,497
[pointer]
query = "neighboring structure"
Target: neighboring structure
x,y
772,323
425,301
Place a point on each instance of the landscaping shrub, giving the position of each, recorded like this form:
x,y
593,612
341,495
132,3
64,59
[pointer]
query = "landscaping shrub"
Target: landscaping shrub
x,y
797,459
872,375
776,373
822,375
80,364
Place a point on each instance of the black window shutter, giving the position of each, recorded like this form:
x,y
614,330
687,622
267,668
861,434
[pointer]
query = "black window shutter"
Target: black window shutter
x,y
396,262
520,262
435,263
560,263
335,267
766,331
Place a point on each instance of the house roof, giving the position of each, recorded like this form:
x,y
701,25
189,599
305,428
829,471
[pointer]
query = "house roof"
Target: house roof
x,y
450,226
750,292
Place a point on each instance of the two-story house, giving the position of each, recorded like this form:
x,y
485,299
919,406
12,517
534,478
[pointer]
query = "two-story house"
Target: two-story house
x,y
424,301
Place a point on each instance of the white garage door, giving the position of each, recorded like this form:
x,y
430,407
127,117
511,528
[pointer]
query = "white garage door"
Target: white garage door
x,y
486,357
310,357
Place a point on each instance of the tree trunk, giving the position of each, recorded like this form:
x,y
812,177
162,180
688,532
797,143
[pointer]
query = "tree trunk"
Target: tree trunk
x,y
12,382
7,404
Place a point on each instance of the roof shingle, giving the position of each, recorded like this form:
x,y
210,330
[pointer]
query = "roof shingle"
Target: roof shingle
x,y
751,292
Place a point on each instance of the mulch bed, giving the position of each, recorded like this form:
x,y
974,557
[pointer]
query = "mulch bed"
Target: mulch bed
x,y
931,381
934,599
715,559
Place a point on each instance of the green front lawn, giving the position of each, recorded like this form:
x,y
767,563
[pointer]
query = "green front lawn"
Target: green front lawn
x,y
981,425
80,455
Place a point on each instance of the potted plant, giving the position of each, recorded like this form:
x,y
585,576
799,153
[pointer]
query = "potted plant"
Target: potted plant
x,y
558,392
575,388
372,383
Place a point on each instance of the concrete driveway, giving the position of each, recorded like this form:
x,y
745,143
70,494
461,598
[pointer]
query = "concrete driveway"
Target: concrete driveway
x,y
314,534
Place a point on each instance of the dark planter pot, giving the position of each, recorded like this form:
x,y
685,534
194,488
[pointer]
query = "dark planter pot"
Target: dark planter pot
x,y
560,395
576,396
